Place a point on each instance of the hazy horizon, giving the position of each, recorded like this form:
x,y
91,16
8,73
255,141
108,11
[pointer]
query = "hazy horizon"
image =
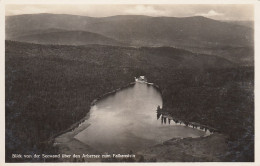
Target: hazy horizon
x,y
217,12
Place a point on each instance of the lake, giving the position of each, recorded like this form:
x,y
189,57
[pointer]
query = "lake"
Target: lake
x,y
127,120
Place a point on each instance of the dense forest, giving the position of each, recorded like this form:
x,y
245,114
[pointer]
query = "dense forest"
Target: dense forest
x,y
50,87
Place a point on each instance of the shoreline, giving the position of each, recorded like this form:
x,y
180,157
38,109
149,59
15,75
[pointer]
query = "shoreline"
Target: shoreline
x,y
111,92
76,124
189,124
70,144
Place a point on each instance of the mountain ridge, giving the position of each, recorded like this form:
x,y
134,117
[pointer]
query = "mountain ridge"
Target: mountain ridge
x,y
68,38
138,30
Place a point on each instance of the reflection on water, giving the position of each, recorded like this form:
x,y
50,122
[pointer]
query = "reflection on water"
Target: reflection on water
x,y
165,116
127,121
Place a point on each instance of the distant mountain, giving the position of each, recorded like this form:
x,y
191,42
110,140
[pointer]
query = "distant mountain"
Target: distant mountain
x,y
249,24
243,56
68,38
21,33
121,57
138,30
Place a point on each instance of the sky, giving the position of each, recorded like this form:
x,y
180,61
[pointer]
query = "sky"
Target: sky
x,y
218,12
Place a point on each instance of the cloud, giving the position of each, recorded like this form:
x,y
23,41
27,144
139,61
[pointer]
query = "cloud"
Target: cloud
x,y
23,9
219,12
146,10
210,13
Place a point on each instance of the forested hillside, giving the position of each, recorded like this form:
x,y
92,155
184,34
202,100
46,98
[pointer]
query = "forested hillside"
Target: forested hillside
x,y
50,87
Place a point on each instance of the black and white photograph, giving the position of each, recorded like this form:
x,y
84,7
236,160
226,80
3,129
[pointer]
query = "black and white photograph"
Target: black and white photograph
x,y
152,83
